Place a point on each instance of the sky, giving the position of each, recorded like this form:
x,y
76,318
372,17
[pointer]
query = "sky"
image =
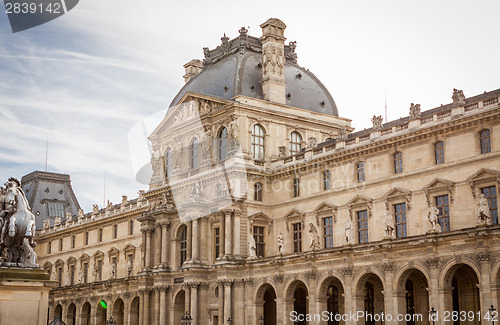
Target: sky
x,y
81,82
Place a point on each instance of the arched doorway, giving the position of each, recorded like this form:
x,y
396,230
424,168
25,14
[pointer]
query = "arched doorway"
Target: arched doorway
x,y
179,306
331,297
413,297
58,312
71,316
297,302
266,305
134,311
85,315
118,309
370,299
463,295
101,313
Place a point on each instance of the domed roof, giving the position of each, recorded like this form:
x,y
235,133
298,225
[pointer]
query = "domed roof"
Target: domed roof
x,y
234,68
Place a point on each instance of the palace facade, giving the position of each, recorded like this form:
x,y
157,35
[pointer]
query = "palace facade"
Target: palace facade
x,y
264,207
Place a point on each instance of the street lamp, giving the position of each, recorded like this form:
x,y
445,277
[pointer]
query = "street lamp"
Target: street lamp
x,y
186,319
229,321
433,313
111,321
492,314
261,320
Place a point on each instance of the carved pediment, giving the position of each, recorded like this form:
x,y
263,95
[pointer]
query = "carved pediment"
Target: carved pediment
x,y
326,209
84,257
129,249
71,260
483,176
439,184
113,252
98,254
294,215
398,193
59,262
47,265
360,201
262,218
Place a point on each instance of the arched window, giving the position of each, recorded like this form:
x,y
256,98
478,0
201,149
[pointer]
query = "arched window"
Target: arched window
x,y
193,153
484,139
168,162
295,143
183,248
439,152
222,144
258,142
398,162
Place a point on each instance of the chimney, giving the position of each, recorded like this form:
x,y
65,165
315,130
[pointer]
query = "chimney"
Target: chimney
x,y
273,60
193,67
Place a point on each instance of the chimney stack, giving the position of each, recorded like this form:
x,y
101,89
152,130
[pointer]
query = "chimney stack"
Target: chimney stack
x,y
273,60
193,67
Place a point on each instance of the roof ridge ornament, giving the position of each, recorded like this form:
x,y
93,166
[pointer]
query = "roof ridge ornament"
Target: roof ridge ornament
x,y
290,53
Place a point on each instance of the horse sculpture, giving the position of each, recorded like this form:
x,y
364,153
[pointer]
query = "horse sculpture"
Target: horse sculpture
x,y
20,223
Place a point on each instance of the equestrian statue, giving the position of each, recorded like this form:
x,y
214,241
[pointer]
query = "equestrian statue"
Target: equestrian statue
x,y
17,227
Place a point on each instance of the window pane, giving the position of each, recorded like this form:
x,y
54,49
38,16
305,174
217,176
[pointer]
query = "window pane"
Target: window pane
x,y
328,232
444,212
400,220
491,194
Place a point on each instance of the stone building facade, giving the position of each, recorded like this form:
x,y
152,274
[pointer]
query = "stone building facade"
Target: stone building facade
x,y
264,205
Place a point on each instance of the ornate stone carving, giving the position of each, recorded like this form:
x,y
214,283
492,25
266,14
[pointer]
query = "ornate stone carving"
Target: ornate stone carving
x,y
273,60
458,98
314,238
389,224
433,217
348,231
415,111
342,134
282,151
281,244
387,267
433,262
239,282
484,256
312,142
252,248
377,122
18,227
249,282
290,52
279,278
156,165
483,210
347,270
311,275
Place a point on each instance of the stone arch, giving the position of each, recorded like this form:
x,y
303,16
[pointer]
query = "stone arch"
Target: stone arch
x,y
368,296
71,314
330,295
58,312
85,313
101,312
411,292
179,304
402,273
134,311
118,311
296,299
452,264
325,276
265,304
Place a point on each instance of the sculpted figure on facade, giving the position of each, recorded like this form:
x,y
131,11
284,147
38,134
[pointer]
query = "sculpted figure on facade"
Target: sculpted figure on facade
x,y
80,214
458,97
18,227
415,111
252,248
314,238
484,210
176,154
156,167
129,266
204,142
113,270
273,60
433,217
312,142
281,244
291,51
377,122
95,209
282,151
342,134
348,231
389,224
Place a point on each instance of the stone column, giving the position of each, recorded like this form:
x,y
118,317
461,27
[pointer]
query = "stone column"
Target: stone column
x,y
194,302
237,233
195,236
228,234
228,300
239,302
221,302
164,244
156,312
187,299
143,253
158,248
141,306
348,293
249,311
434,285
222,238
189,256
388,292
145,311
485,282
163,305
148,248
126,309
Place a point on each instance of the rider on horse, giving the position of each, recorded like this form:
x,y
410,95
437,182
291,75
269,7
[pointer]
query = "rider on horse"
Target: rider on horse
x,y
7,208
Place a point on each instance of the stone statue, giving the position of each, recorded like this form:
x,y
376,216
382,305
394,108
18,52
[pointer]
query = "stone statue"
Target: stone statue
x,y
348,231
282,151
95,209
281,244
80,274
156,166
314,238
129,266
312,142
389,224
458,97
204,141
109,206
80,214
377,122
18,227
46,224
291,51
342,134
415,111
176,153
252,248
206,52
484,210
433,217
57,221
124,200
113,270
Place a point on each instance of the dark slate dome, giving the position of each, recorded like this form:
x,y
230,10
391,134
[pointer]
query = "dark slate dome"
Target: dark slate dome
x,y
234,68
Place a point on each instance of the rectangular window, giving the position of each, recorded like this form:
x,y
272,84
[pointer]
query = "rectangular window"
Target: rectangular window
x,y
100,234
86,238
491,194
296,187
360,171
297,237
400,220
72,275
131,227
59,275
442,203
85,272
439,152
362,226
115,231
484,138
398,163
328,232
56,210
49,247
326,180
99,270
216,243
73,240
60,244
258,235
258,192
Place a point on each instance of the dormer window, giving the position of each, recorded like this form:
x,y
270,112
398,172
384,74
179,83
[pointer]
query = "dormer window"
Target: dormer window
x,y
295,143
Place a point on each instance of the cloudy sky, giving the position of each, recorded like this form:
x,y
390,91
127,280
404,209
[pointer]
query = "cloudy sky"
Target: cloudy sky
x,y
85,79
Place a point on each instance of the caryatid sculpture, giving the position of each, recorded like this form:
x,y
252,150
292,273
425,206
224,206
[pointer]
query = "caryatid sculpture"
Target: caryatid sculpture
x,y
433,217
348,231
281,244
18,227
484,210
389,224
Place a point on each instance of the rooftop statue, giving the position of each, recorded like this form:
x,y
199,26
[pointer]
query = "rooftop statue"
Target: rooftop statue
x,y
18,227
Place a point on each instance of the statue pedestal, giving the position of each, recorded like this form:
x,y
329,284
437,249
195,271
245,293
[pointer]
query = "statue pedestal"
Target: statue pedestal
x,y
24,296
